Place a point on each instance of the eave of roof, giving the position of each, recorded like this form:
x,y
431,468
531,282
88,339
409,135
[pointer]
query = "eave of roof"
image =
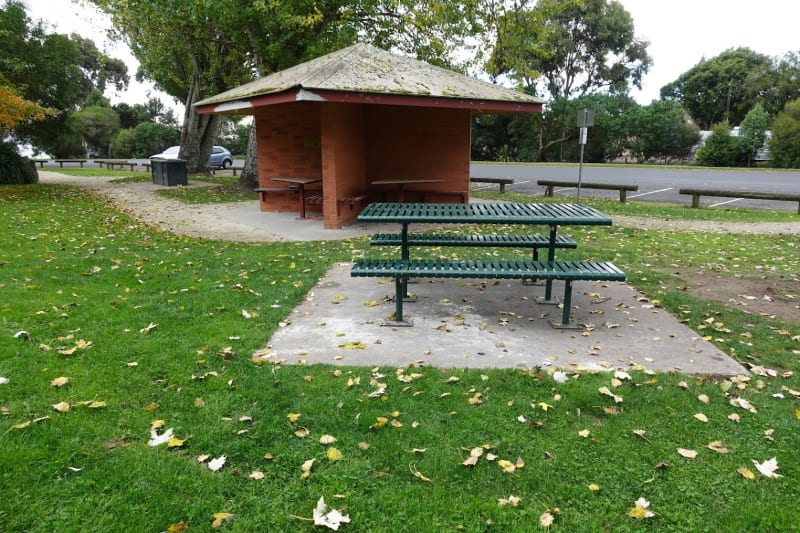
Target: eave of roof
x,y
364,74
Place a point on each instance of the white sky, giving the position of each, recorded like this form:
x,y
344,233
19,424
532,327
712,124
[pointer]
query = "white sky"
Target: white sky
x,y
680,32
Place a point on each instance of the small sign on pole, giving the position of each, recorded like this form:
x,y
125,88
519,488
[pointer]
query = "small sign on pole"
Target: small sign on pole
x,y
585,120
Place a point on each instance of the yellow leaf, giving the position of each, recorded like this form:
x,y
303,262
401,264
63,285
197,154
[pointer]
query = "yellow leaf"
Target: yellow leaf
x,y
175,442
396,423
594,487
417,474
718,446
746,473
507,466
701,417
584,433
68,351
157,424
180,527
97,404
292,265
544,406
546,519
476,399
60,382
381,421
333,454
302,433
689,454
219,518
797,414
61,407
306,468
470,461
152,407
519,463
293,417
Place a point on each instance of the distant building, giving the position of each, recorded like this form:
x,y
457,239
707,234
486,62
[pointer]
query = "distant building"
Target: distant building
x,y
762,154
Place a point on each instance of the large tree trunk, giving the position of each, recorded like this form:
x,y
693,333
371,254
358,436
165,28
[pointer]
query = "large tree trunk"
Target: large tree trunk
x,y
198,133
249,176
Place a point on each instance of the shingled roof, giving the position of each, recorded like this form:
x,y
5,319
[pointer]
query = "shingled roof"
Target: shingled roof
x,y
362,73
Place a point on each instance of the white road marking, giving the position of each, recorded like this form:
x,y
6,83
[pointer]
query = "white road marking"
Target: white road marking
x,y
650,192
726,202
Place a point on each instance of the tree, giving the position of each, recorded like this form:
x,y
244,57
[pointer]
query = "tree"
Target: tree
x,y
721,149
784,146
659,130
569,48
56,71
716,89
753,131
97,125
151,138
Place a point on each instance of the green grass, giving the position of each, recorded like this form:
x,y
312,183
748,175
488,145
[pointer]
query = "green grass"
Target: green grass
x,y
71,269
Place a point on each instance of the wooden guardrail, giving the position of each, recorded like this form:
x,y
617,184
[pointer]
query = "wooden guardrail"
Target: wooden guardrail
x,y
731,193
623,188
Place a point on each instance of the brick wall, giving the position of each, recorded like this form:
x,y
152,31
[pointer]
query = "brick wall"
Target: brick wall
x,y
343,160
288,137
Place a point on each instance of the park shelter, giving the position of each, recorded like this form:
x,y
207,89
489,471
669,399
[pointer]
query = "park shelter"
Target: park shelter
x,y
361,115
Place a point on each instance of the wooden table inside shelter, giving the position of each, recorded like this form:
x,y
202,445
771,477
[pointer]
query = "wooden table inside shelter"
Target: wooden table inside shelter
x,y
301,184
544,214
401,183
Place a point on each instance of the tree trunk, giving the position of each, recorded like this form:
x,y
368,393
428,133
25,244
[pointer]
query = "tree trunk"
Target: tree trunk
x,y
249,176
198,133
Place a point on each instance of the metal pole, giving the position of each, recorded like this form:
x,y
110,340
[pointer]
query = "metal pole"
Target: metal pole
x,y
580,168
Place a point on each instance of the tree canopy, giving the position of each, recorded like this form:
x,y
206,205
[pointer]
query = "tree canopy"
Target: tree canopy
x,y
569,48
54,71
719,89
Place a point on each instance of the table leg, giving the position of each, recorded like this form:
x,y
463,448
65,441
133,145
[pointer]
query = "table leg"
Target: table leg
x,y
302,195
551,256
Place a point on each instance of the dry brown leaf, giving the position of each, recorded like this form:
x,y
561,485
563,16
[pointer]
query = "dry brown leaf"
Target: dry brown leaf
x,y
417,474
689,454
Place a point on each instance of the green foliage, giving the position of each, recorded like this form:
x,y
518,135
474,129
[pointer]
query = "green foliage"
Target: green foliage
x,y
122,146
659,130
721,149
572,48
716,89
152,138
15,169
58,71
97,125
753,131
784,146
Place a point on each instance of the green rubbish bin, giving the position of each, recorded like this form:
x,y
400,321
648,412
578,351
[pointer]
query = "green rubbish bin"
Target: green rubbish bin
x,y
169,172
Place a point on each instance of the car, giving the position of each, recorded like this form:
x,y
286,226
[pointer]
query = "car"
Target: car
x,y
220,157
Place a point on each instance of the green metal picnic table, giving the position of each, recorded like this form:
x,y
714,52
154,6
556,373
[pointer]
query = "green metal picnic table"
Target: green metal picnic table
x,y
543,214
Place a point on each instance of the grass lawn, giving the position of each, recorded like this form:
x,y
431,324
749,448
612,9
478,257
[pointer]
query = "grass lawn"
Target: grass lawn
x,y
113,333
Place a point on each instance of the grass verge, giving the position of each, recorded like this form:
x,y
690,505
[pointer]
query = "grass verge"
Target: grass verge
x,y
149,326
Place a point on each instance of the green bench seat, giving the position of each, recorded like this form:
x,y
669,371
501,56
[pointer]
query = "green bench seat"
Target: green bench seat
x,y
495,241
567,271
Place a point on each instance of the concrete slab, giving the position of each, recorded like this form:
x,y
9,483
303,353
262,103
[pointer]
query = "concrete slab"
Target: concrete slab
x,y
488,324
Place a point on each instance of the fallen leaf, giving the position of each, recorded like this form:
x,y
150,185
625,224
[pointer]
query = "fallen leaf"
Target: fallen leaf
x,y
417,474
255,474
306,468
61,407
293,417
512,500
641,510
507,466
768,468
60,382
689,454
333,454
302,433
703,398
215,464
584,433
327,439
546,519
158,440
746,473
701,417
219,518
607,392
175,442
331,519
594,487
718,446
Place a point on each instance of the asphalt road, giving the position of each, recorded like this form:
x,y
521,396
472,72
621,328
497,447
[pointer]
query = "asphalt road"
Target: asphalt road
x,y
659,184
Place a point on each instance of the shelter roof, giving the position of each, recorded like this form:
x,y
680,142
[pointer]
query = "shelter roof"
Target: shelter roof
x,y
363,73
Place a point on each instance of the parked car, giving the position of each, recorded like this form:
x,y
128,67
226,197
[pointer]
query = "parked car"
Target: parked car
x,y
220,157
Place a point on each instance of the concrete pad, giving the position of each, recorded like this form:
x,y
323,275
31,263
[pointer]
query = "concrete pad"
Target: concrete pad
x,y
488,324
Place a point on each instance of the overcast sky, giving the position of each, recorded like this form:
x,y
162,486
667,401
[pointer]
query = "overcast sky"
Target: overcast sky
x,y
680,33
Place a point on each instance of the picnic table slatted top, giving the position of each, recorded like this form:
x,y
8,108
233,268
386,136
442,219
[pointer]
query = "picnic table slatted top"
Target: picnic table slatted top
x,y
487,213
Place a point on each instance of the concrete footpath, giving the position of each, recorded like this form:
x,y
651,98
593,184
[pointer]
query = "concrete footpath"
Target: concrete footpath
x,y
483,324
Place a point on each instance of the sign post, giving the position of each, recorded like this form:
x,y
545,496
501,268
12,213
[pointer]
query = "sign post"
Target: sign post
x,y
585,120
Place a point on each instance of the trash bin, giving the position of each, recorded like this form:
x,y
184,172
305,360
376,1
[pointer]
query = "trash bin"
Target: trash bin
x,y
169,171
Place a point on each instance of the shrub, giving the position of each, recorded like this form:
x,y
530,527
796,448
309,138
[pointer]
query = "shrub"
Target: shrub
x,y
15,169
